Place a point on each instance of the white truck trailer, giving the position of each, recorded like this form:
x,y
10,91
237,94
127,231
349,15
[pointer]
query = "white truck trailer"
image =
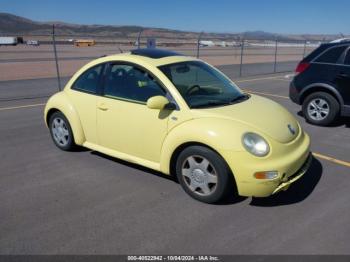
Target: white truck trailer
x,y
8,40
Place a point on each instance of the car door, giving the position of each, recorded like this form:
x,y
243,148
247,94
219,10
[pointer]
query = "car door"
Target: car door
x,y
124,122
343,78
83,94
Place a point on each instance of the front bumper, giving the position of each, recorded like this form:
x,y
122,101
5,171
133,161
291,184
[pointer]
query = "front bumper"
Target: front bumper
x,y
291,179
291,162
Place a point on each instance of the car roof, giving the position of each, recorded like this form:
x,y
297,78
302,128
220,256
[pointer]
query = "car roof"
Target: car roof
x,y
330,44
154,53
155,57
340,40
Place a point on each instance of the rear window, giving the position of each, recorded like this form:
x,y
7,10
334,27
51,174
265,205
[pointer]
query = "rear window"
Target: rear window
x,y
331,56
315,53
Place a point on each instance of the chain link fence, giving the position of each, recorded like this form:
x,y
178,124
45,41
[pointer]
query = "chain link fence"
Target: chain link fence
x,y
58,56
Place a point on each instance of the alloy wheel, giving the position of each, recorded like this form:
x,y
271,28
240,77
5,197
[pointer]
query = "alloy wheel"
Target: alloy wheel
x,y
318,109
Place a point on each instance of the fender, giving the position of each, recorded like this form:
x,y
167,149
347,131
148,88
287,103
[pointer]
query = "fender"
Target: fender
x,y
326,86
204,131
61,102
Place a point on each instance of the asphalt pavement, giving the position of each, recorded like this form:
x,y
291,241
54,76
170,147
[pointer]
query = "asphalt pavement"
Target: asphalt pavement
x,y
84,202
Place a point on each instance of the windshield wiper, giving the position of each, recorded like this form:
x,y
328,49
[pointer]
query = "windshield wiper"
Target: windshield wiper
x,y
211,103
239,98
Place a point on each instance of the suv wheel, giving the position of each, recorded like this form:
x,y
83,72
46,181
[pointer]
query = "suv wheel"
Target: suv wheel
x,y
320,108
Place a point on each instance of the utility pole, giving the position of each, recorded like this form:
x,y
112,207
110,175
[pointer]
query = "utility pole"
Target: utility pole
x,y
56,59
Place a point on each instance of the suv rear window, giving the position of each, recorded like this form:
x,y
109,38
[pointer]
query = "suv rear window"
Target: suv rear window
x,y
332,55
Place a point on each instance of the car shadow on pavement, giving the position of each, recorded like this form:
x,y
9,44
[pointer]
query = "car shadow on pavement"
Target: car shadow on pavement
x,y
297,192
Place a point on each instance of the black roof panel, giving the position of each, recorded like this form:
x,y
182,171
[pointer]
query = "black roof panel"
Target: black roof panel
x,y
154,53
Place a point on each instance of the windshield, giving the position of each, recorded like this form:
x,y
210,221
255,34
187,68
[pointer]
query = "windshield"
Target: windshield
x,y
201,85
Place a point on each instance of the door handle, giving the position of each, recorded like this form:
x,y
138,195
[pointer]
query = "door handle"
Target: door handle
x,y
102,107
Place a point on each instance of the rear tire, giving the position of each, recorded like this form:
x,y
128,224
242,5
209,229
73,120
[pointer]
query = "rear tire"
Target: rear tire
x,y
61,132
204,174
320,108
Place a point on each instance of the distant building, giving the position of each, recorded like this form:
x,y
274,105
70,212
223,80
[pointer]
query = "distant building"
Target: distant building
x,y
8,40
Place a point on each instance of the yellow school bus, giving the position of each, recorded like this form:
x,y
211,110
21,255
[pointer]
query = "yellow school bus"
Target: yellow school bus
x,y
84,42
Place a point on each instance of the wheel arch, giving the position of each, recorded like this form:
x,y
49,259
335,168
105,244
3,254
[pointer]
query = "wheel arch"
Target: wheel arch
x,y
49,114
60,103
180,148
172,165
215,134
321,87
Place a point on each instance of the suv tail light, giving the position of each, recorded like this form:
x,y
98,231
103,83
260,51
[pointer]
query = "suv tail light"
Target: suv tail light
x,y
302,66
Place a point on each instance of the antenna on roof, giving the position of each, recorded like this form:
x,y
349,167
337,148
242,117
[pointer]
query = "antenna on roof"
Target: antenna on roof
x,y
120,50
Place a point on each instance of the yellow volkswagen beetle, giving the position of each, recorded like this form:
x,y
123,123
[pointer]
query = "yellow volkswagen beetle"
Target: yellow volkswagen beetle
x,y
182,117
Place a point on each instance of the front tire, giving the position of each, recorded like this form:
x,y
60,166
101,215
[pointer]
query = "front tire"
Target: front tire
x,y
61,132
320,108
204,174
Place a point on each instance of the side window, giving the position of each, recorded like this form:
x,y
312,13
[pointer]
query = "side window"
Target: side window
x,y
332,55
131,83
89,80
347,58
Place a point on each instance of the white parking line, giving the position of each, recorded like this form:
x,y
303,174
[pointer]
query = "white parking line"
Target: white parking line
x,y
262,78
289,76
18,107
265,94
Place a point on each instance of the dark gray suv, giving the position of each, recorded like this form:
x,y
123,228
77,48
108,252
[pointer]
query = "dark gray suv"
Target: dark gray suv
x,y
322,83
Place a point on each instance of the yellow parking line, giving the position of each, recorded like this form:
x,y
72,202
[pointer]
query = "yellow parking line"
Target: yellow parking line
x,y
18,107
258,79
332,159
266,94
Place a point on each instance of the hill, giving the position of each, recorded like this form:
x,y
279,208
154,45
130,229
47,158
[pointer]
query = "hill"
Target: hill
x,y
15,25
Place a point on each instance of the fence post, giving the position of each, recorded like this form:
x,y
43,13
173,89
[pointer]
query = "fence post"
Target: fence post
x,y
275,63
139,39
241,62
56,59
304,52
198,43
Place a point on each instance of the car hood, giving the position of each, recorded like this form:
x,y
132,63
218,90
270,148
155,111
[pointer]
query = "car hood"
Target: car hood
x,y
260,114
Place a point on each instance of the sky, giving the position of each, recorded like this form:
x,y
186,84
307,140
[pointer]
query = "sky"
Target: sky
x,y
232,16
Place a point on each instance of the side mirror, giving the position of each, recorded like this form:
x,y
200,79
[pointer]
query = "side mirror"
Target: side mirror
x,y
157,102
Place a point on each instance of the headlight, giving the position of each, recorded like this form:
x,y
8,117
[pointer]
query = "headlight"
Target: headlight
x,y
255,144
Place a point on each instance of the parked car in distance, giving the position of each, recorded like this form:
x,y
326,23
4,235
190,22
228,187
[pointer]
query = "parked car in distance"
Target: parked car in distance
x,y
33,42
182,117
322,83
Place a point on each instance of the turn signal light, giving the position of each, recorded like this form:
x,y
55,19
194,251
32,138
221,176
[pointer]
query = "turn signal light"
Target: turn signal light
x,y
266,175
